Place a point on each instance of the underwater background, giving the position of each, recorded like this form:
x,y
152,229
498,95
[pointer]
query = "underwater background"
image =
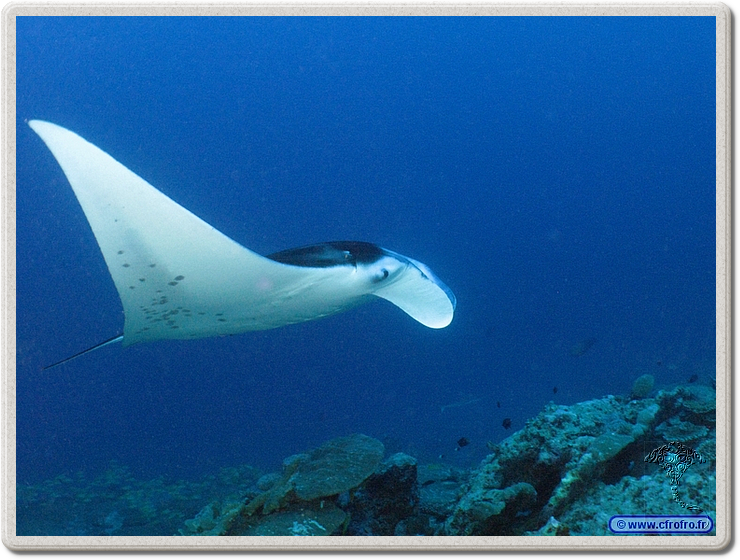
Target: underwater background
x,y
558,174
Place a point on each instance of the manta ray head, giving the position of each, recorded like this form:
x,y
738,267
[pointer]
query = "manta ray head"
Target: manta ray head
x,y
372,264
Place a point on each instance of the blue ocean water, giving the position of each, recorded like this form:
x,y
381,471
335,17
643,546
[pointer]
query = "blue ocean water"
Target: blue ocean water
x,y
557,173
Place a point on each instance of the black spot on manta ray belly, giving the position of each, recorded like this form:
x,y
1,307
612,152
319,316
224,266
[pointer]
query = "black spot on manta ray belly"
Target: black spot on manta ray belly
x,y
164,314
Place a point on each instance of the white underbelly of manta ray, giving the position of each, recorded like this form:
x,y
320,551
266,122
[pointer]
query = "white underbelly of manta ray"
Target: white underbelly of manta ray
x,y
180,278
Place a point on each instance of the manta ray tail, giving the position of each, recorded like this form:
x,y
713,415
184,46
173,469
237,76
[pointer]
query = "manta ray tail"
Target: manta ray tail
x,y
117,338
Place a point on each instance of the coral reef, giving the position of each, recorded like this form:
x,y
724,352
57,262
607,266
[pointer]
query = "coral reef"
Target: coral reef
x,y
571,455
565,473
557,454
116,503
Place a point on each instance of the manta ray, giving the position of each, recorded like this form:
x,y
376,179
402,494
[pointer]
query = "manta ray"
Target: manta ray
x,y
180,278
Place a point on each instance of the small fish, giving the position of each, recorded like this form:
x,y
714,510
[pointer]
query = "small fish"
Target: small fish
x,y
498,404
460,404
582,347
554,390
506,423
462,442
693,378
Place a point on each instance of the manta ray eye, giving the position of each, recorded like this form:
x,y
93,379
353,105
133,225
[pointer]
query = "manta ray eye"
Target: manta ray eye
x,y
382,275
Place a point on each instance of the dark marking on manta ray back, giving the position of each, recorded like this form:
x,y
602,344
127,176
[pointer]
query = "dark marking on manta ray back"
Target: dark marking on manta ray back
x,y
333,253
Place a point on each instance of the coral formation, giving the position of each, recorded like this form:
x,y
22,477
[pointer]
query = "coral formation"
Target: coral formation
x,y
674,429
386,498
336,466
642,386
295,521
